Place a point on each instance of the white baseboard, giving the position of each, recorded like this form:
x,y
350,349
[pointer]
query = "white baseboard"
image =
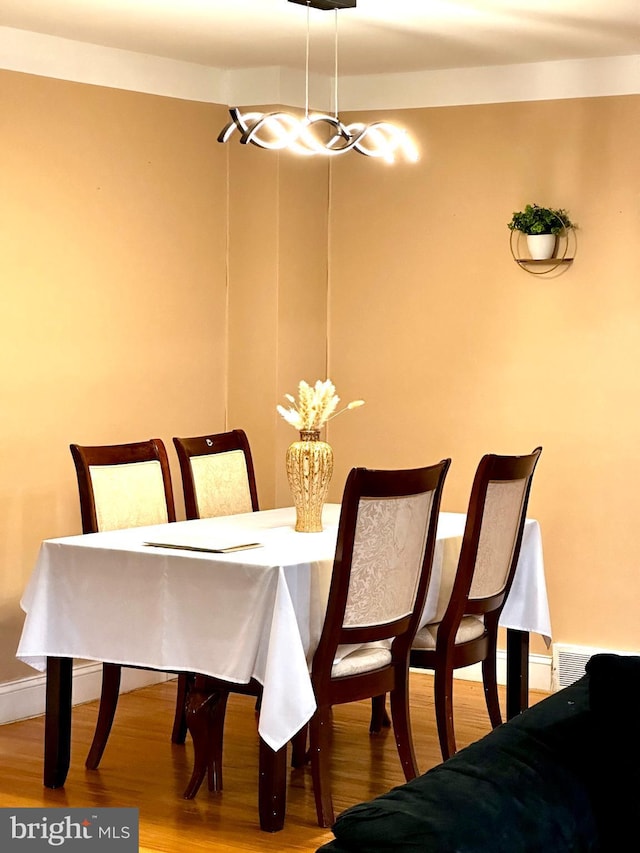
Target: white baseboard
x,y
25,697
539,671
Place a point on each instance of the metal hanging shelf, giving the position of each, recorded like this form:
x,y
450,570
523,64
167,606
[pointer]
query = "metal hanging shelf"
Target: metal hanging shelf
x,y
547,265
538,261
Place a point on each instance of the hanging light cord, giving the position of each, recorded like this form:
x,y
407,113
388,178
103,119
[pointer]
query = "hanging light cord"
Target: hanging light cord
x,y
335,65
306,68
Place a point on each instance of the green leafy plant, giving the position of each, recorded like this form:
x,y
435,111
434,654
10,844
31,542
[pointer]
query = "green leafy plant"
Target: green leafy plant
x,y
540,220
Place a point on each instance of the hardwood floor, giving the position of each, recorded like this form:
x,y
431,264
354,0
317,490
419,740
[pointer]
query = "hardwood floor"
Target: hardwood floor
x,y
142,768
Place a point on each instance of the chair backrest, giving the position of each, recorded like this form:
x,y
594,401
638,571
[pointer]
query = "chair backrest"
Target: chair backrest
x,y
492,537
217,474
384,553
123,485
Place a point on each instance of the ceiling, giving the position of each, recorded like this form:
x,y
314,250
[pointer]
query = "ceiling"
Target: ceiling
x,y
378,36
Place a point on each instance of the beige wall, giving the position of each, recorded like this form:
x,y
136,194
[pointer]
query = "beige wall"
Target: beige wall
x,y
112,269
459,352
277,298
156,283
122,224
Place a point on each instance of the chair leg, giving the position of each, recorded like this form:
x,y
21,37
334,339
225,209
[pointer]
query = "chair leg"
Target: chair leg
x,y
379,717
399,698
109,695
205,714
443,696
490,680
299,752
214,780
320,744
179,731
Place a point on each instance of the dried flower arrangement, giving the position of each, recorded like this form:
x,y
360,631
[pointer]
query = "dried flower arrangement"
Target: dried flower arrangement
x,y
315,406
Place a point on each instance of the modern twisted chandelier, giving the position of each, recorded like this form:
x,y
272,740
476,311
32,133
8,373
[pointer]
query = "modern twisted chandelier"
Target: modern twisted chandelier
x,y
319,133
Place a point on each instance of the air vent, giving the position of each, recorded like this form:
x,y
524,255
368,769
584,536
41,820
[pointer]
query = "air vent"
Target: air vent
x,y
569,663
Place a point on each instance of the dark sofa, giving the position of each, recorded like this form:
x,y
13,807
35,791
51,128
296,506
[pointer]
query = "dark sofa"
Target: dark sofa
x,y
562,777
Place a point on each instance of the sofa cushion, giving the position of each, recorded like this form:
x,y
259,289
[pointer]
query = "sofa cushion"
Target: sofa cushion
x,y
614,695
614,700
524,787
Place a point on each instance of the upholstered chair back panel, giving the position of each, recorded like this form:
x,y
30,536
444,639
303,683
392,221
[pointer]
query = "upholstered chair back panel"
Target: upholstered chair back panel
x,y
221,484
128,495
500,525
388,552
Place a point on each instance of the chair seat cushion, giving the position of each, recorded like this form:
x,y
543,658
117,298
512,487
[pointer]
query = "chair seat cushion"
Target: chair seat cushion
x,y
523,788
470,628
365,659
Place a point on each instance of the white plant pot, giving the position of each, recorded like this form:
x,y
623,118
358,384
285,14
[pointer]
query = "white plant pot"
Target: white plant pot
x,y
541,246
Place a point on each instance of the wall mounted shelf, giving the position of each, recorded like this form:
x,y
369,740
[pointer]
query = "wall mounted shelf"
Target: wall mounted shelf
x,y
536,261
535,266
550,265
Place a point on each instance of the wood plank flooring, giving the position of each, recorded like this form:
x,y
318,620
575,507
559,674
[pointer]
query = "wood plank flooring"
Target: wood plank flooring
x,y
142,768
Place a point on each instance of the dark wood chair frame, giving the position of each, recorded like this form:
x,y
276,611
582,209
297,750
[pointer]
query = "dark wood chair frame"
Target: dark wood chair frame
x,y
205,712
447,655
85,457
205,445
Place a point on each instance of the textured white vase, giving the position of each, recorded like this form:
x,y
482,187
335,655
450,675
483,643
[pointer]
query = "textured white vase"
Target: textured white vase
x,y
541,246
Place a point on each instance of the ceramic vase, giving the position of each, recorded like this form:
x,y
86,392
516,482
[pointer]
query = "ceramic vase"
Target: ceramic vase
x,y
541,246
309,469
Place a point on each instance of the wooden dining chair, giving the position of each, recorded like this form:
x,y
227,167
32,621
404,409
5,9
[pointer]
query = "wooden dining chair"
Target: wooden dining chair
x,y
124,485
217,474
468,631
381,571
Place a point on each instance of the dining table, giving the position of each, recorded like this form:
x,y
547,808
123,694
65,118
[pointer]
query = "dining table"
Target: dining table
x,y
235,597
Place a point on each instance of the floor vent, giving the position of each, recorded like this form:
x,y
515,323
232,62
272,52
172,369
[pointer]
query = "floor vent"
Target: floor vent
x,y
569,662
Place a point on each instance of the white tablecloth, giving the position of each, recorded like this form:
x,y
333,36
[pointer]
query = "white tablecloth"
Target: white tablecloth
x,y
253,613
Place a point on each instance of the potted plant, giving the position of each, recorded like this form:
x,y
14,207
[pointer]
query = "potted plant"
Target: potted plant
x,y
541,226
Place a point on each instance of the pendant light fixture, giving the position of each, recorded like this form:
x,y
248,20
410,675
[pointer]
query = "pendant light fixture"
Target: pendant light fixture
x,y
319,133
